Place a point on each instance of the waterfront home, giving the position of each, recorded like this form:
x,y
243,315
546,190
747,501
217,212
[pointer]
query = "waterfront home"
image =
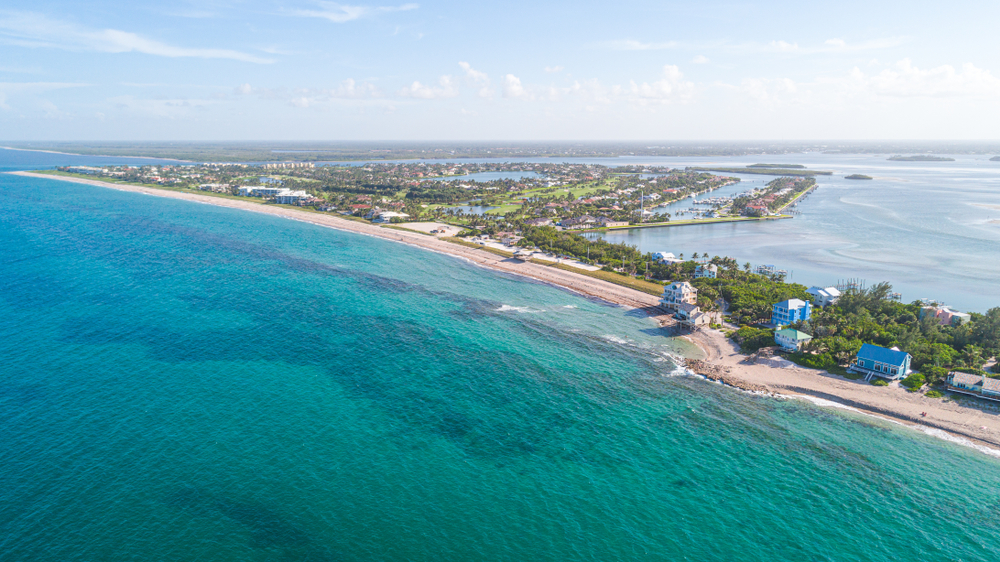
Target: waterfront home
x,y
690,316
607,223
976,385
387,216
710,271
541,221
790,312
823,296
259,191
289,197
678,293
666,257
945,315
881,362
791,339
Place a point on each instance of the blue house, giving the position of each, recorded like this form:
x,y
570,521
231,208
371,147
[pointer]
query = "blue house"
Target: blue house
x,y
881,362
790,312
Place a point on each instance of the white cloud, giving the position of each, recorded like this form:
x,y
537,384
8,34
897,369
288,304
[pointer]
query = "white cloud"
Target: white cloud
x,y
446,89
342,13
512,88
169,108
783,46
551,69
906,80
35,30
769,91
479,79
670,88
308,97
10,90
633,45
700,59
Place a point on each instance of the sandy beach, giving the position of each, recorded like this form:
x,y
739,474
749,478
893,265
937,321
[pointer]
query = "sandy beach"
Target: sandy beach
x,y
973,420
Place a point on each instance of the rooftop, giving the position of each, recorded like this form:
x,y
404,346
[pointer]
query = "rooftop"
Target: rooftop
x,y
882,354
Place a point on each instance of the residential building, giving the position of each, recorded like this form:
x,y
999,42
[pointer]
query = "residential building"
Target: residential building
x,y
690,316
666,257
945,315
541,221
677,293
791,339
823,296
610,223
387,216
259,191
976,385
710,271
790,312
873,360
289,197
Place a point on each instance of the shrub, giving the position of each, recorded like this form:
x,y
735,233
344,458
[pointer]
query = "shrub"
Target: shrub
x,y
934,394
751,339
820,361
913,382
879,382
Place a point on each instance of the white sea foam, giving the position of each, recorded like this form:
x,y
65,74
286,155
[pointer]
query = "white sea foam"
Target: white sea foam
x,y
941,434
521,309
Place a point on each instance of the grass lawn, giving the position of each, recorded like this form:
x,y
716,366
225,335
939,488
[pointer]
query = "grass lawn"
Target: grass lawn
x,y
630,282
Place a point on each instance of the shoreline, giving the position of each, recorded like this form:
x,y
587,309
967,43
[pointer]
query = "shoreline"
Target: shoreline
x,y
721,363
94,155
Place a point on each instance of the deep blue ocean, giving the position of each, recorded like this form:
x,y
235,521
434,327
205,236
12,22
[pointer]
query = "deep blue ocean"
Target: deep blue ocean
x,y
183,382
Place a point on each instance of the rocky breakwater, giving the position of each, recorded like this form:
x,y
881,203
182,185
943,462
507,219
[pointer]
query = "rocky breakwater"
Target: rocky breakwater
x,y
724,374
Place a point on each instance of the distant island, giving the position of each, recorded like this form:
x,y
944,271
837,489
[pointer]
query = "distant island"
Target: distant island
x,y
795,166
995,159
756,169
921,158
857,177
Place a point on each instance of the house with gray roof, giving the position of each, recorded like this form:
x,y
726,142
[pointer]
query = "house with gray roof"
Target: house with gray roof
x,y
976,385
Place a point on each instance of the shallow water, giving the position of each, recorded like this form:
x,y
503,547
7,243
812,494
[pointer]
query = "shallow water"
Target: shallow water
x,y
204,383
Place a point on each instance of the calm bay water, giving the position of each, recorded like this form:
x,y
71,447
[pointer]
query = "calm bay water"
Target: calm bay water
x,y
932,229
184,382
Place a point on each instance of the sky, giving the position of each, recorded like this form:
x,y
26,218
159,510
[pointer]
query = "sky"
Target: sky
x,y
445,70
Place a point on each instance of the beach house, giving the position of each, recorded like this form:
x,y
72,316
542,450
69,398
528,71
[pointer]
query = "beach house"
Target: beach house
x,y
823,296
881,362
710,271
387,216
691,317
289,197
666,257
790,312
678,293
945,315
976,385
791,339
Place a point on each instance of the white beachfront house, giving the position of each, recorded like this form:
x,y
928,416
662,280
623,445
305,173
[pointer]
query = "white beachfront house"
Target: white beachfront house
x,y
258,191
823,296
678,293
666,257
387,216
289,197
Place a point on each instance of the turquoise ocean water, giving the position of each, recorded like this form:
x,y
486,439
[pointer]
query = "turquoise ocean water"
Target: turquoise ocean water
x,y
185,382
